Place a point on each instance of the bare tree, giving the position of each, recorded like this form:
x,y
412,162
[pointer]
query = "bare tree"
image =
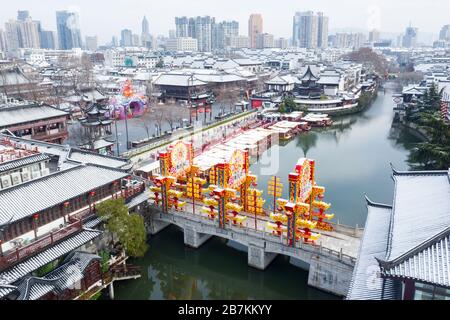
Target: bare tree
x,y
226,96
174,114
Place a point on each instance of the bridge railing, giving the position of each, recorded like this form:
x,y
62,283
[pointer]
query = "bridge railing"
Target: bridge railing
x,y
211,226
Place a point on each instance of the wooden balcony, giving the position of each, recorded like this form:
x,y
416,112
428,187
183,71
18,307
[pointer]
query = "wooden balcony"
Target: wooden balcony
x,y
19,254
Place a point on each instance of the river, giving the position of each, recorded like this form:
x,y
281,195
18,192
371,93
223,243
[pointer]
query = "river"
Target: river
x,y
352,159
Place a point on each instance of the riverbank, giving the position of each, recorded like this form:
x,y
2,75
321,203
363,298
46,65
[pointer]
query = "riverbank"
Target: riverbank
x,y
352,158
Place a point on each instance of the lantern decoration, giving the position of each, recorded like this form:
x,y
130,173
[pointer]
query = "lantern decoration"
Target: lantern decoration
x,y
66,204
175,164
194,185
92,194
298,216
128,104
228,178
36,216
275,189
255,202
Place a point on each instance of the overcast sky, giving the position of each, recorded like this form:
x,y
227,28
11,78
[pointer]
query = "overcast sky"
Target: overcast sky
x,y
107,17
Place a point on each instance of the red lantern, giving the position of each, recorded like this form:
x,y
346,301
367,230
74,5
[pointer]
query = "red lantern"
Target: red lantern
x,y
66,204
36,217
92,193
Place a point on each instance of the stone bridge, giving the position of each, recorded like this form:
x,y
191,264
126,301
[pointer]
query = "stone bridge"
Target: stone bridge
x,y
330,262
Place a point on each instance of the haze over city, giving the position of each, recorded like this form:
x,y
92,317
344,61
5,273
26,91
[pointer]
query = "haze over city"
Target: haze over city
x,y
223,150
106,18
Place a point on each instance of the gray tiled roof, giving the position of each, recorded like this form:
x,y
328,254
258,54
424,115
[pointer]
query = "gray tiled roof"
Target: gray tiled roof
x,y
18,163
5,290
34,196
429,262
184,80
65,276
66,153
95,158
366,283
21,114
20,270
421,209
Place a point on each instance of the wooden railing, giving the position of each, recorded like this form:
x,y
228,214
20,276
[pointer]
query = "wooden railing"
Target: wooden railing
x,y
21,253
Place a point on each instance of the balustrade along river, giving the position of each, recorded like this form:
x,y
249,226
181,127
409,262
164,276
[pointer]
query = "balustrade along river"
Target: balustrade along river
x,y
352,158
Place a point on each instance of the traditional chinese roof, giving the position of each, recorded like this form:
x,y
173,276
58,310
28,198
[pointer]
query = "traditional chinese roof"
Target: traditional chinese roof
x,y
33,263
83,156
421,209
15,115
63,277
429,262
26,199
309,75
366,283
411,240
67,154
178,80
19,163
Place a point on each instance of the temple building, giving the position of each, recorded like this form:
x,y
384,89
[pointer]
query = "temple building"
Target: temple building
x,y
97,129
34,121
405,249
308,86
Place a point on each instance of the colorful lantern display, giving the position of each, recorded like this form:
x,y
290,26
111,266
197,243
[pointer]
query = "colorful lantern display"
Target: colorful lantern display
x,y
297,216
127,104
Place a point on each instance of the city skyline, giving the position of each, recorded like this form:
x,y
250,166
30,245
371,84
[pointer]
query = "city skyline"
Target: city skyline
x,y
277,20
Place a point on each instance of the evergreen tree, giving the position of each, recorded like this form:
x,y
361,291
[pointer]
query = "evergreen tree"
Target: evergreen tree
x,y
129,229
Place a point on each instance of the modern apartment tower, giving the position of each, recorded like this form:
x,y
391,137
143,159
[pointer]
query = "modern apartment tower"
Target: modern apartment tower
x,y
322,30
222,31
22,15
255,27
68,26
126,38
410,37
146,38
200,28
310,30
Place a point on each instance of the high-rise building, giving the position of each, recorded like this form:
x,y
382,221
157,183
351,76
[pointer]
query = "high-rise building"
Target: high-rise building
x,y
223,30
22,34
3,46
12,33
281,43
136,40
200,28
444,35
374,36
22,15
29,33
181,27
48,39
91,43
322,30
255,27
310,30
114,42
172,34
264,40
68,26
203,32
126,38
410,37
146,38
